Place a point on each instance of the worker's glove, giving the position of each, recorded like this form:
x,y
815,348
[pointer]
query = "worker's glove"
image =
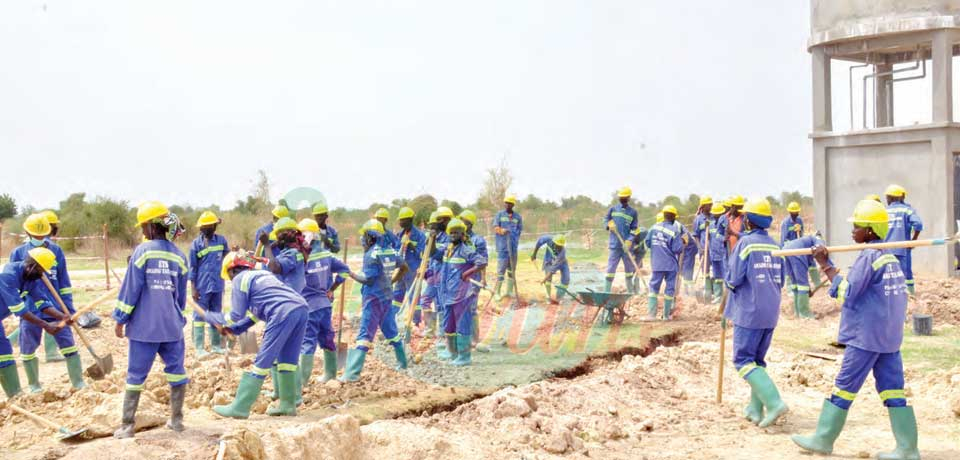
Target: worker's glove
x,y
611,225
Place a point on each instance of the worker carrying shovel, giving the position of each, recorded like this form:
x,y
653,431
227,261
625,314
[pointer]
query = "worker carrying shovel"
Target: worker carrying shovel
x,y
459,262
873,296
507,224
206,257
621,220
149,313
554,260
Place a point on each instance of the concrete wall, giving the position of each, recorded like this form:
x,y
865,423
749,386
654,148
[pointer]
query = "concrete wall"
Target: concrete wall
x,y
836,20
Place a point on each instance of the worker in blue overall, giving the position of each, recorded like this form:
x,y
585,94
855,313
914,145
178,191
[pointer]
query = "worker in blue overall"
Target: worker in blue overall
x,y
411,247
459,262
279,212
699,230
554,260
622,219
328,235
689,252
30,337
507,225
427,303
480,246
19,282
905,225
795,270
150,313
753,306
258,296
873,297
383,215
717,253
381,269
206,258
665,240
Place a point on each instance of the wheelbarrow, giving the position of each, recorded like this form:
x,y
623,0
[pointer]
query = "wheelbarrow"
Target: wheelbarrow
x,y
611,305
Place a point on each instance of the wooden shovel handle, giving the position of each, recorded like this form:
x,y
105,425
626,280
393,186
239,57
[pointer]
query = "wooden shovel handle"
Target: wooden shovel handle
x,y
36,418
93,304
64,308
861,247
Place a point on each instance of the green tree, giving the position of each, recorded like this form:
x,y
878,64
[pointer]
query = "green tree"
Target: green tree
x,y
453,205
8,207
422,206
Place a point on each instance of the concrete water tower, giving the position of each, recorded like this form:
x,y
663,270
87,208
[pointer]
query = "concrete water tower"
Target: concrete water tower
x,y
878,46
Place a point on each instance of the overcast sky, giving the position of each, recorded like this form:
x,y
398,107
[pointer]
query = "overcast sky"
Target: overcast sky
x,y
368,101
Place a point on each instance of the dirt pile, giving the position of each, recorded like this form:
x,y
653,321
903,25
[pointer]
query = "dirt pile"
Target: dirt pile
x,y
337,437
938,297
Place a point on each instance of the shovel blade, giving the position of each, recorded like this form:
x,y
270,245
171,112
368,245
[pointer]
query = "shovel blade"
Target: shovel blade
x,y
67,435
341,355
248,343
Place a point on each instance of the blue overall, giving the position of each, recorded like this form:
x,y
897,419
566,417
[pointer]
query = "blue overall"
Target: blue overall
x,y
454,293
268,230
17,296
790,229
411,254
904,220
637,246
873,297
625,219
205,262
554,261
379,262
665,245
690,252
753,304
151,304
480,246
718,252
428,298
292,268
333,236
323,274
509,243
795,267
31,335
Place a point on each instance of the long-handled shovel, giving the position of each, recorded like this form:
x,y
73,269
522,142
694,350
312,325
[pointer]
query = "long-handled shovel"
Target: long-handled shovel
x,y
860,247
63,433
90,306
723,345
636,266
341,346
101,366
513,274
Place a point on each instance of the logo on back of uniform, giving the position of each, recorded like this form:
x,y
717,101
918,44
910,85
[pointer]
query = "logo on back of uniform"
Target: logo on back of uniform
x,y
163,265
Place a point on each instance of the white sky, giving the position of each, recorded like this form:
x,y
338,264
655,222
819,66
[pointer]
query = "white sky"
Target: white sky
x,y
371,100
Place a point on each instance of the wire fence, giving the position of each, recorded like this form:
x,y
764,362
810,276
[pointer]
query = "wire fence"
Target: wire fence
x,y
104,254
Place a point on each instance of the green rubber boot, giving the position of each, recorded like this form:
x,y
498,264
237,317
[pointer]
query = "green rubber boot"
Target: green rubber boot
x,y
401,354
768,394
198,340
829,426
10,380
707,289
329,365
288,394
216,341
631,284
303,376
496,289
754,411
911,288
608,285
75,371
463,351
50,349
274,377
128,417
450,351
803,305
14,336
31,367
814,274
247,393
904,424
546,288
511,291
667,309
652,307
355,359
717,290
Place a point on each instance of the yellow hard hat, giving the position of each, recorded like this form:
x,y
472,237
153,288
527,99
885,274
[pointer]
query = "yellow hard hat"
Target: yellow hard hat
x,y
727,203
706,200
382,213
624,192
36,225
373,226
895,190
308,225
670,209
226,265
510,199
444,211
280,211
207,218
285,223
405,213
737,200
456,224
872,196
235,259
758,206
434,218
468,216
320,208
717,209
51,217
660,217
150,210
44,257
793,207
560,240
872,214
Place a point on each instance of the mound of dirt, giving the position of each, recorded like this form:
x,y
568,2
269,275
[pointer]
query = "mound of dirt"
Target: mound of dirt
x,y
337,437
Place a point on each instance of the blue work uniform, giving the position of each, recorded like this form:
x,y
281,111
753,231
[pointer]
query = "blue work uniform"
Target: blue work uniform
x,y
412,254
428,298
31,334
205,262
292,266
795,267
509,243
790,229
332,235
873,297
379,262
690,251
554,261
904,220
454,293
700,224
665,245
258,295
638,247
625,219
18,297
151,305
754,280
324,273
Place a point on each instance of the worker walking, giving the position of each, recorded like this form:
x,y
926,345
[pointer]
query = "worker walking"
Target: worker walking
x,y
700,224
753,306
412,245
150,313
795,270
507,226
689,253
206,259
873,297
621,220
460,261
38,230
324,273
327,235
905,225
19,296
257,295
665,240
279,212
717,257
380,271
554,260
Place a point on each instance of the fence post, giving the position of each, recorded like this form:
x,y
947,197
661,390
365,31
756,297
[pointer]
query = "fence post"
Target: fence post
x,y
106,256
